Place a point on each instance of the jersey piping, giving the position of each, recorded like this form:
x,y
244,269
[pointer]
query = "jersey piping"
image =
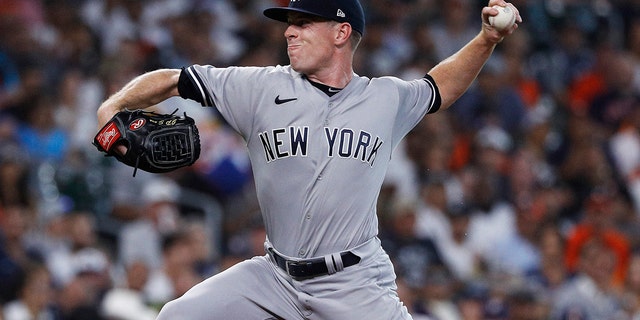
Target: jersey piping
x,y
437,100
201,95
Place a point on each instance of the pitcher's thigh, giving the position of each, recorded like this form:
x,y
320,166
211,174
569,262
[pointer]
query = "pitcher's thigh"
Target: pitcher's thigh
x,y
365,291
248,290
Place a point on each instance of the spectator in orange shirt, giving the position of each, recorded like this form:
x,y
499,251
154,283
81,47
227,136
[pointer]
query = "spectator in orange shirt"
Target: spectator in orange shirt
x,y
598,223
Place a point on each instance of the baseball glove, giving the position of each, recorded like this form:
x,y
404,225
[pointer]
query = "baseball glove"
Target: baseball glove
x,y
155,142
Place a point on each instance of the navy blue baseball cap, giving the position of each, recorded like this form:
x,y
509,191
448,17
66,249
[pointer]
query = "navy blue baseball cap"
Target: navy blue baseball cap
x,y
349,11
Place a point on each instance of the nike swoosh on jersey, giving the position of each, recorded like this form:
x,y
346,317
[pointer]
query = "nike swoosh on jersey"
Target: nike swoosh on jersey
x,y
281,101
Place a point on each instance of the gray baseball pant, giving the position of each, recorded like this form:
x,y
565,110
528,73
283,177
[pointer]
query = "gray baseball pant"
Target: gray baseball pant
x,y
258,289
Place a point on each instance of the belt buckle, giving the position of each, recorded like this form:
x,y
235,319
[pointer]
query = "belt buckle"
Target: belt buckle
x,y
300,272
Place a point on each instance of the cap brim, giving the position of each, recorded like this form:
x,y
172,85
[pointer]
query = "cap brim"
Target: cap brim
x,y
282,13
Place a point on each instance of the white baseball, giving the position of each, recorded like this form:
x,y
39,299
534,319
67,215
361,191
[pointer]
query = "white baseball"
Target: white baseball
x,y
505,18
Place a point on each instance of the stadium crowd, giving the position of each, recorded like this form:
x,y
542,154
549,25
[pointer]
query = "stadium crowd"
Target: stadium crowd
x,y
522,201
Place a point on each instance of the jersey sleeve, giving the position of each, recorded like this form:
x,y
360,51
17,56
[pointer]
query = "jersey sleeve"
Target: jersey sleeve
x,y
232,90
437,100
416,99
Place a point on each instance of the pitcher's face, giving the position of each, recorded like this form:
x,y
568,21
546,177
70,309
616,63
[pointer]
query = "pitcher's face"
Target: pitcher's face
x,y
310,44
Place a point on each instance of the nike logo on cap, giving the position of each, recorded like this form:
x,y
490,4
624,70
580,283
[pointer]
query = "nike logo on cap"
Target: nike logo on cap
x,y
281,101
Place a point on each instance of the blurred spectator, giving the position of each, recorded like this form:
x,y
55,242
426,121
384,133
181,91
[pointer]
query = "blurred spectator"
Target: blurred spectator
x,y
412,256
495,305
458,251
15,221
432,221
584,166
633,45
191,40
493,146
239,26
177,274
200,240
12,13
113,21
568,57
18,21
437,293
493,216
598,224
470,299
423,57
402,174
14,176
34,298
619,98
80,181
591,82
388,42
447,225
536,156
631,292
80,297
552,273
517,254
519,71
410,299
79,96
32,85
624,146
589,295
141,238
493,101
453,28
245,243
38,134
49,236
69,41
81,253
529,176
9,80
126,301
525,303
436,157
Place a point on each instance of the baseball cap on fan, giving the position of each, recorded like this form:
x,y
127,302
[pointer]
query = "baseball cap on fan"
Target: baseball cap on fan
x,y
349,11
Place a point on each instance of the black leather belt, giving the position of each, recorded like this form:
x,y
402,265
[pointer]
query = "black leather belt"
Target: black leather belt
x,y
305,269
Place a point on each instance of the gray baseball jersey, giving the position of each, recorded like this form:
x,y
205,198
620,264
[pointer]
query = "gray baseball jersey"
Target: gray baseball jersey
x,y
319,161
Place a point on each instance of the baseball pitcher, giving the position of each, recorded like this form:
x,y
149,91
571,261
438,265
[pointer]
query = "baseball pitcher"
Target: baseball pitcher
x,y
320,138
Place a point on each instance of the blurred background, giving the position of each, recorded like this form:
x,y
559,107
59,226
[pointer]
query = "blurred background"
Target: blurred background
x,y
522,201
